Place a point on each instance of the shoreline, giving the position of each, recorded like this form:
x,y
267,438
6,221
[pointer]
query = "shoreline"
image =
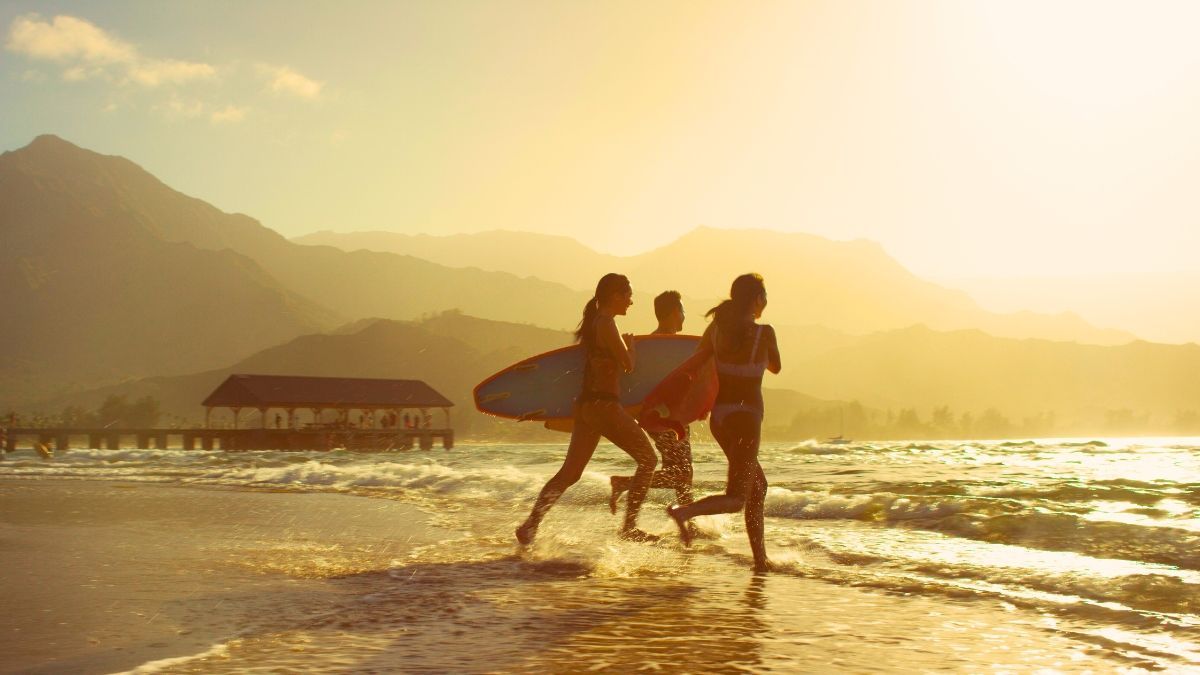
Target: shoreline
x,y
330,564
105,576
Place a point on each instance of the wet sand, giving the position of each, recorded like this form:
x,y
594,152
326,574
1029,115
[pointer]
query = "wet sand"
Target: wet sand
x,y
101,577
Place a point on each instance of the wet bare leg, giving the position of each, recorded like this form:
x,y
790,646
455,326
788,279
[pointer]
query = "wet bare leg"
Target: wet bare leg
x,y
679,477
619,427
618,484
738,435
677,467
682,482
755,503
676,478
686,533
584,439
676,471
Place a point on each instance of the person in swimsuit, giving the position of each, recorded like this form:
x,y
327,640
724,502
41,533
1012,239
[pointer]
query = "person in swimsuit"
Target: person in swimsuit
x,y
742,350
676,471
598,411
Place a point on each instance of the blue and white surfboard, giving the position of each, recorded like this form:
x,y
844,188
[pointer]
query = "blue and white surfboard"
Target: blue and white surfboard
x,y
544,387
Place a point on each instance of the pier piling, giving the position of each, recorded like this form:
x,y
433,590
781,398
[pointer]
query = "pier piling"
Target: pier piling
x,y
234,440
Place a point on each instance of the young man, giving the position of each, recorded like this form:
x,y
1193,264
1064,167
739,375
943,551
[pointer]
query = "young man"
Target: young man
x,y
676,471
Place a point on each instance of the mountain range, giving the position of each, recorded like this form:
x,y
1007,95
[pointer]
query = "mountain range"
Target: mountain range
x,y
1078,387
94,291
114,282
971,370
854,286
449,351
111,274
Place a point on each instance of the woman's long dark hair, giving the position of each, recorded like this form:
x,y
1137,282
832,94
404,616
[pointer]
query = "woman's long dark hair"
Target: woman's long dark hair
x,y
609,283
732,316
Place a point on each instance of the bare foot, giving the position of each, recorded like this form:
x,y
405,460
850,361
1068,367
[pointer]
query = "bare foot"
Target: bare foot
x,y
615,483
634,534
685,533
763,566
525,534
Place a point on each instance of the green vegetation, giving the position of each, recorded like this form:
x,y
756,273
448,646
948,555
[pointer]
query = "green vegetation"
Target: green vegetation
x,y
115,411
854,420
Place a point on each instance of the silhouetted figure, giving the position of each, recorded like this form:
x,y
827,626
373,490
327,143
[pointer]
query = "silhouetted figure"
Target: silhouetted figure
x,y
676,471
598,410
742,350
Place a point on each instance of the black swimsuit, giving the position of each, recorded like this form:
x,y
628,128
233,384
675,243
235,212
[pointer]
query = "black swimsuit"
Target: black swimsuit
x,y
600,372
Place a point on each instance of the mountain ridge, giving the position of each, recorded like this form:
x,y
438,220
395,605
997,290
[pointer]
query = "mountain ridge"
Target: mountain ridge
x,y
100,248
854,286
116,276
968,372
98,294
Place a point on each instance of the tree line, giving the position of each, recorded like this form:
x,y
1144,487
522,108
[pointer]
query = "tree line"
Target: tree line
x,y
854,420
115,411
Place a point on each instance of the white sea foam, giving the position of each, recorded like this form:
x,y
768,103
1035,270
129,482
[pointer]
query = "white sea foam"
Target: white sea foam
x,y
216,651
424,477
1031,523
785,503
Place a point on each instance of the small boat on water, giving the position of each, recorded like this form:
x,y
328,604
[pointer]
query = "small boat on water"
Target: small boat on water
x,y
840,439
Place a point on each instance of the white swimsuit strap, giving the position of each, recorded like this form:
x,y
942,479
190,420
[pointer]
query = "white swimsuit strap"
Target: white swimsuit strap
x,y
754,347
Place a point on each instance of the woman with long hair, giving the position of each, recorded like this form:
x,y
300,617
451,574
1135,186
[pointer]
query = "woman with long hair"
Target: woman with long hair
x,y
742,350
598,410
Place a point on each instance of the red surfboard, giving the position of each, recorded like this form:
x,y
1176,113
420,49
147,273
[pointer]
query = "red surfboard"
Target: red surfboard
x,y
684,396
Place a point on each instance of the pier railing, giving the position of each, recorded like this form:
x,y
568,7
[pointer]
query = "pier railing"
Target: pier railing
x,y
46,439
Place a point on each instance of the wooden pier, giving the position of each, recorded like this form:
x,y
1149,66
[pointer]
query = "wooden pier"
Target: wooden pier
x,y
381,440
391,415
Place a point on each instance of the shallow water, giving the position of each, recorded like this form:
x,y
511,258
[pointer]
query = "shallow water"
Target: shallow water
x,y
1067,555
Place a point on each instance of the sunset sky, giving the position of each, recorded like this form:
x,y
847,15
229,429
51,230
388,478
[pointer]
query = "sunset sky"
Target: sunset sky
x,y
969,138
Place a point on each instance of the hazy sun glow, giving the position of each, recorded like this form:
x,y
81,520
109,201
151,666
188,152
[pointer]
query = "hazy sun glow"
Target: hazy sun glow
x,y
971,139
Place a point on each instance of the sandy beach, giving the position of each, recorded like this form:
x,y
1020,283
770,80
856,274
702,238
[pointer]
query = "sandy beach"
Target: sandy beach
x,y
351,562
107,576
528,336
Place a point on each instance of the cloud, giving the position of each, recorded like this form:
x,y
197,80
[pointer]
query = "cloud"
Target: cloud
x,y
284,80
177,107
66,38
154,73
79,50
229,114
86,51
81,73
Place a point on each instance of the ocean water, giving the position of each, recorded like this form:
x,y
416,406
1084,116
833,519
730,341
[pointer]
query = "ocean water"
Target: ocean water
x,y
1042,554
